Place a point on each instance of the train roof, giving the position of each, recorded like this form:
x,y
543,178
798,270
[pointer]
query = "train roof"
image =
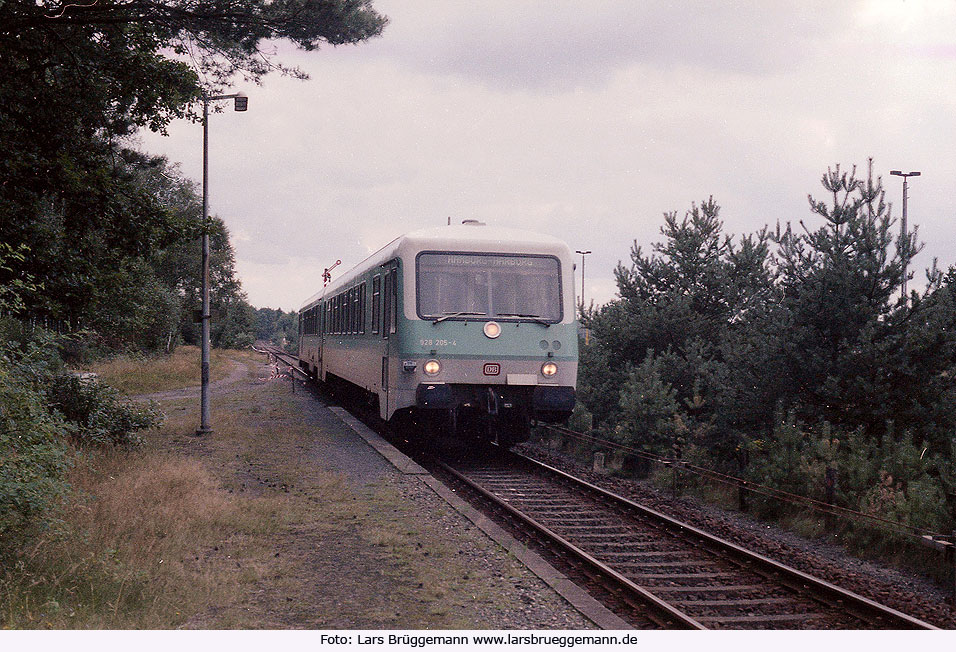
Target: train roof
x,y
468,236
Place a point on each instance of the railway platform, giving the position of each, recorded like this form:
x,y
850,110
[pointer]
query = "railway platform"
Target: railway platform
x,y
364,540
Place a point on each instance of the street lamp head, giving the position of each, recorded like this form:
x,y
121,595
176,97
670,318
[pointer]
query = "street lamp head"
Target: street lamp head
x,y
896,173
913,174
241,102
900,173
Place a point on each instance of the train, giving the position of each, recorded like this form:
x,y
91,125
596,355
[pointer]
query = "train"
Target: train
x,y
466,331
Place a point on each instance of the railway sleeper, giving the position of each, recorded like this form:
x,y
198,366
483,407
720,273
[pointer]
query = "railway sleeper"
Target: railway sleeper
x,y
756,618
718,588
737,603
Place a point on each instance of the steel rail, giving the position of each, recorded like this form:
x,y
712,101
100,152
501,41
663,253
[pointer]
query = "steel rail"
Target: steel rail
x,y
668,615
285,357
853,603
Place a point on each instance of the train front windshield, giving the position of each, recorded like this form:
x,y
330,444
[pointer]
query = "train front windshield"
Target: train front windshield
x,y
492,286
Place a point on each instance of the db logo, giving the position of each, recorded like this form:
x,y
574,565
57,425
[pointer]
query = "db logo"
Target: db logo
x,y
492,369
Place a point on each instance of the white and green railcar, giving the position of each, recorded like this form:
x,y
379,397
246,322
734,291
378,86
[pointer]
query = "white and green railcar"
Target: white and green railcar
x,y
467,329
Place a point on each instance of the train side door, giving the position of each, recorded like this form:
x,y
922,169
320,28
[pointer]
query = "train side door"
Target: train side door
x,y
387,324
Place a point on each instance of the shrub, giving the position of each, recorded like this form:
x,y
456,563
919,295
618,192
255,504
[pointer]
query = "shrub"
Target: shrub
x,y
33,455
97,415
41,410
649,409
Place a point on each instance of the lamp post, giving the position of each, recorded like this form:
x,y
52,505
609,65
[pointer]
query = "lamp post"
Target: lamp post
x,y
583,254
906,176
241,103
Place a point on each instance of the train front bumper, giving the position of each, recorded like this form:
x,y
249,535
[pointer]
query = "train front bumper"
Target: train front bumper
x,y
549,403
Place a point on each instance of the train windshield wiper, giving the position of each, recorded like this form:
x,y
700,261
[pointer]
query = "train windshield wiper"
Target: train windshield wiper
x,y
449,315
538,319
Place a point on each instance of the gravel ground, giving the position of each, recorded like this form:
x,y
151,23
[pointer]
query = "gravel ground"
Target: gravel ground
x,y
536,606
912,594
360,545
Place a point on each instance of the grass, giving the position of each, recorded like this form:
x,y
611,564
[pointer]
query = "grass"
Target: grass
x,y
181,368
132,548
247,528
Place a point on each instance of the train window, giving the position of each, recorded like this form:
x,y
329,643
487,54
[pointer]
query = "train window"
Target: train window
x,y
376,301
503,286
342,313
356,309
362,306
392,299
336,312
387,306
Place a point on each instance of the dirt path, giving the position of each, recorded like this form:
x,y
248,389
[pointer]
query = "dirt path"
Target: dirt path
x,y
348,542
239,373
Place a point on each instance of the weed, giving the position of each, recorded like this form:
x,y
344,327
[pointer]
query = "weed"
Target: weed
x,y
132,549
139,375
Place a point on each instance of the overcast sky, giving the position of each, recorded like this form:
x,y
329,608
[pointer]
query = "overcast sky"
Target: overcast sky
x,y
586,120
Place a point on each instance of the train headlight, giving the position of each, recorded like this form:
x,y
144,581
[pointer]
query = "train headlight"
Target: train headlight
x,y
548,369
432,367
492,329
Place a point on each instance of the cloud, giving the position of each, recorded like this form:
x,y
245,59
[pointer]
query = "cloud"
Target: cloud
x,y
583,123
546,45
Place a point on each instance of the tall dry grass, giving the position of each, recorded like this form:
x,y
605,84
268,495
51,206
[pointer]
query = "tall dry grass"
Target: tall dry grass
x,y
133,548
132,375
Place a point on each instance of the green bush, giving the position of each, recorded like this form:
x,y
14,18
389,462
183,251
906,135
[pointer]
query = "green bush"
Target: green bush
x,y
42,410
581,420
650,415
892,479
97,415
34,455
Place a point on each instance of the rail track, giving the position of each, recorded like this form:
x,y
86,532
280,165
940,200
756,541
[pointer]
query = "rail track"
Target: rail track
x,y
289,359
655,571
668,572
